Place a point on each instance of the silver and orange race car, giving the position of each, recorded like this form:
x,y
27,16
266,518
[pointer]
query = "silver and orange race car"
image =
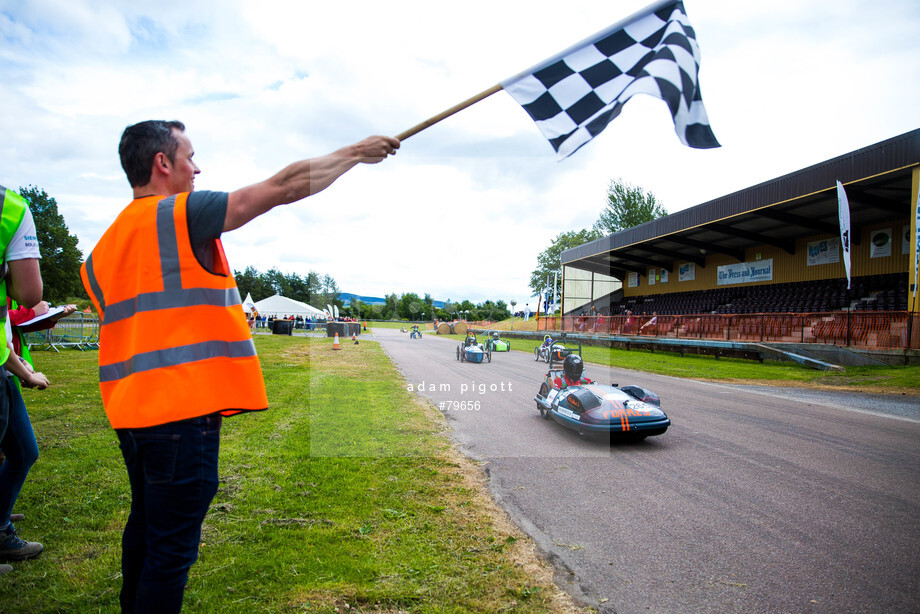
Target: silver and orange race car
x,y
629,413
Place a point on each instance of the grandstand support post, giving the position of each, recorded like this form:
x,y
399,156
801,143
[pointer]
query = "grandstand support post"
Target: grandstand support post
x,y
848,315
910,331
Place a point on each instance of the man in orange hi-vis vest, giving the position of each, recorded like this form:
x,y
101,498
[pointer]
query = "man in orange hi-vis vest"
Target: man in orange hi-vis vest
x,y
155,276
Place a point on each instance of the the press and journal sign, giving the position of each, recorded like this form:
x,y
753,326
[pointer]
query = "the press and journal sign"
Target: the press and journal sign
x,y
745,272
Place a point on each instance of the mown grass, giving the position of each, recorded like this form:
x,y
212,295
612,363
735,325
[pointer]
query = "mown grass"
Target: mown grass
x,y
896,379
344,496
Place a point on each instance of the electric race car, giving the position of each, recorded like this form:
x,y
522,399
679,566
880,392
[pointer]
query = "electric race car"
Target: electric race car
x,y
550,349
496,343
415,334
630,413
471,351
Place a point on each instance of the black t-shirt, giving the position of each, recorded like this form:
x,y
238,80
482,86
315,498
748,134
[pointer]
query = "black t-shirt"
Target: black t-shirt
x,y
205,212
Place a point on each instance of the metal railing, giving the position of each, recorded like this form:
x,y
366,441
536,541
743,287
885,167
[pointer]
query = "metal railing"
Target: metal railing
x,y
78,330
862,329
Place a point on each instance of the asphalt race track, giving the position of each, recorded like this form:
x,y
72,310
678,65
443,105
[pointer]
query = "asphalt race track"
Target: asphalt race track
x,y
753,501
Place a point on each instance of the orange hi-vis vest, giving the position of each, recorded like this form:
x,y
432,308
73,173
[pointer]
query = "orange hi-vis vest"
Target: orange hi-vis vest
x,y
174,342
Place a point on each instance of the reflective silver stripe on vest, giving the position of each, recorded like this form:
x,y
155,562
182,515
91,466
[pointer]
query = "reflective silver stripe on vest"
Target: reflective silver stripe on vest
x,y
171,357
170,267
173,295
91,276
170,299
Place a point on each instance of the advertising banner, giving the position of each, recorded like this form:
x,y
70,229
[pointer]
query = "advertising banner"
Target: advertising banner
x,y
745,272
880,243
825,251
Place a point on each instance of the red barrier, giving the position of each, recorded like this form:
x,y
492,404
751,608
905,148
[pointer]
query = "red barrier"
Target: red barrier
x,y
862,329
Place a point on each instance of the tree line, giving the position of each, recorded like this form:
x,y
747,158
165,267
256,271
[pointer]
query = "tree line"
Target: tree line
x,y
323,291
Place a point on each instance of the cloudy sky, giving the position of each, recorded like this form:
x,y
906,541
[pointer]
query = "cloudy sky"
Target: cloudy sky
x,y
466,206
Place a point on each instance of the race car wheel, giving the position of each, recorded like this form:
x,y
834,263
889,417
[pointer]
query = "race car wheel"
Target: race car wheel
x,y
508,345
489,354
458,352
544,390
536,354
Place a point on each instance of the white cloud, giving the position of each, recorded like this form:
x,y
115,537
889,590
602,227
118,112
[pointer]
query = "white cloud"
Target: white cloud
x,y
466,206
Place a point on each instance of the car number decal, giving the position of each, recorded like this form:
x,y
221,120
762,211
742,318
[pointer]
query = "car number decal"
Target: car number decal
x,y
568,413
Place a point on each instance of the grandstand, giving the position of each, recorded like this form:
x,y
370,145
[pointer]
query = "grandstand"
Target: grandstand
x,y
766,263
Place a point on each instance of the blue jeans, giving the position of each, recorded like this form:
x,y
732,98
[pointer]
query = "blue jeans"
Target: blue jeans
x,y
172,469
19,446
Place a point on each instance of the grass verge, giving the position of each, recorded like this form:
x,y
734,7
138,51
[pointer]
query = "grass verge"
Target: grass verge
x,y
344,496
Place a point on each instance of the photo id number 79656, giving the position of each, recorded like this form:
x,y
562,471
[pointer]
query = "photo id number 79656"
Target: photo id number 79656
x,y
459,405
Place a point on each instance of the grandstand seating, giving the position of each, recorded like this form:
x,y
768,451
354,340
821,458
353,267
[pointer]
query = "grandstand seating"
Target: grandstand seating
x,y
872,314
868,293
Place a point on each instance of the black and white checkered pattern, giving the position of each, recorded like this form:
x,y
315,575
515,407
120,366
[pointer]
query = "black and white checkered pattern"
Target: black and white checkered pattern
x,y
573,96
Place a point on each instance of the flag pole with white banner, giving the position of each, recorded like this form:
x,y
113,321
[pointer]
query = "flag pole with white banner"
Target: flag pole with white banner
x,y
843,211
575,94
917,252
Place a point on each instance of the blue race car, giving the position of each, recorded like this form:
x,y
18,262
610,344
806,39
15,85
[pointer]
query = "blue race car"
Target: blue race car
x,y
630,413
471,351
415,334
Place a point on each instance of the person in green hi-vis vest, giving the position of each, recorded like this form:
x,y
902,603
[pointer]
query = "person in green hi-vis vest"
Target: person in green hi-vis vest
x,y
20,279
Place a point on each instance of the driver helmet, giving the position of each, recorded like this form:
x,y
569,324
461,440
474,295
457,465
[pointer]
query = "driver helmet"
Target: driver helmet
x,y
495,336
573,367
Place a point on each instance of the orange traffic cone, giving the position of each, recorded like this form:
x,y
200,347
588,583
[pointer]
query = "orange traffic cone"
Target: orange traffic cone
x,y
335,343
354,337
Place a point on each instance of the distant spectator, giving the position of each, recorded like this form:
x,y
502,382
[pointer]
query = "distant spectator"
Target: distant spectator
x,y
651,325
629,326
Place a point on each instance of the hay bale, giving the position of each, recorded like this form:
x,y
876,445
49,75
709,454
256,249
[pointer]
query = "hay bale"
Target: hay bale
x,y
460,328
443,328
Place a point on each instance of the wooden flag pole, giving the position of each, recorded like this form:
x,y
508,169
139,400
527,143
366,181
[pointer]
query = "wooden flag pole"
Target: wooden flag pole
x,y
445,114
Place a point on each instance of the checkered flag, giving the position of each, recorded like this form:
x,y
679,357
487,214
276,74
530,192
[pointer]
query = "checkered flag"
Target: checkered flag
x,y
575,94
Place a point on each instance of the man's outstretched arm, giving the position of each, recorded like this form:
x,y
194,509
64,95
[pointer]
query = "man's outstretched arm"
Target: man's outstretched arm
x,y
302,179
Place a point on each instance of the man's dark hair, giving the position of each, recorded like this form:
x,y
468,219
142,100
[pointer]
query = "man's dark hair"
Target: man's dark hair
x,y
141,142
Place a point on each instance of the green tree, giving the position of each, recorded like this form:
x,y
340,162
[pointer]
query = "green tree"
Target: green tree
x,y
627,206
488,310
315,290
60,258
549,262
330,290
251,281
389,309
410,306
298,288
276,280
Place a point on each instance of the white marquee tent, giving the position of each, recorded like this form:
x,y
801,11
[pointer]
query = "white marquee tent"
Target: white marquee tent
x,y
278,305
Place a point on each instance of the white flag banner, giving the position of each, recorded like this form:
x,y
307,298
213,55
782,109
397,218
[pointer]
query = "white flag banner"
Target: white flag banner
x,y
575,94
843,211
917,253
